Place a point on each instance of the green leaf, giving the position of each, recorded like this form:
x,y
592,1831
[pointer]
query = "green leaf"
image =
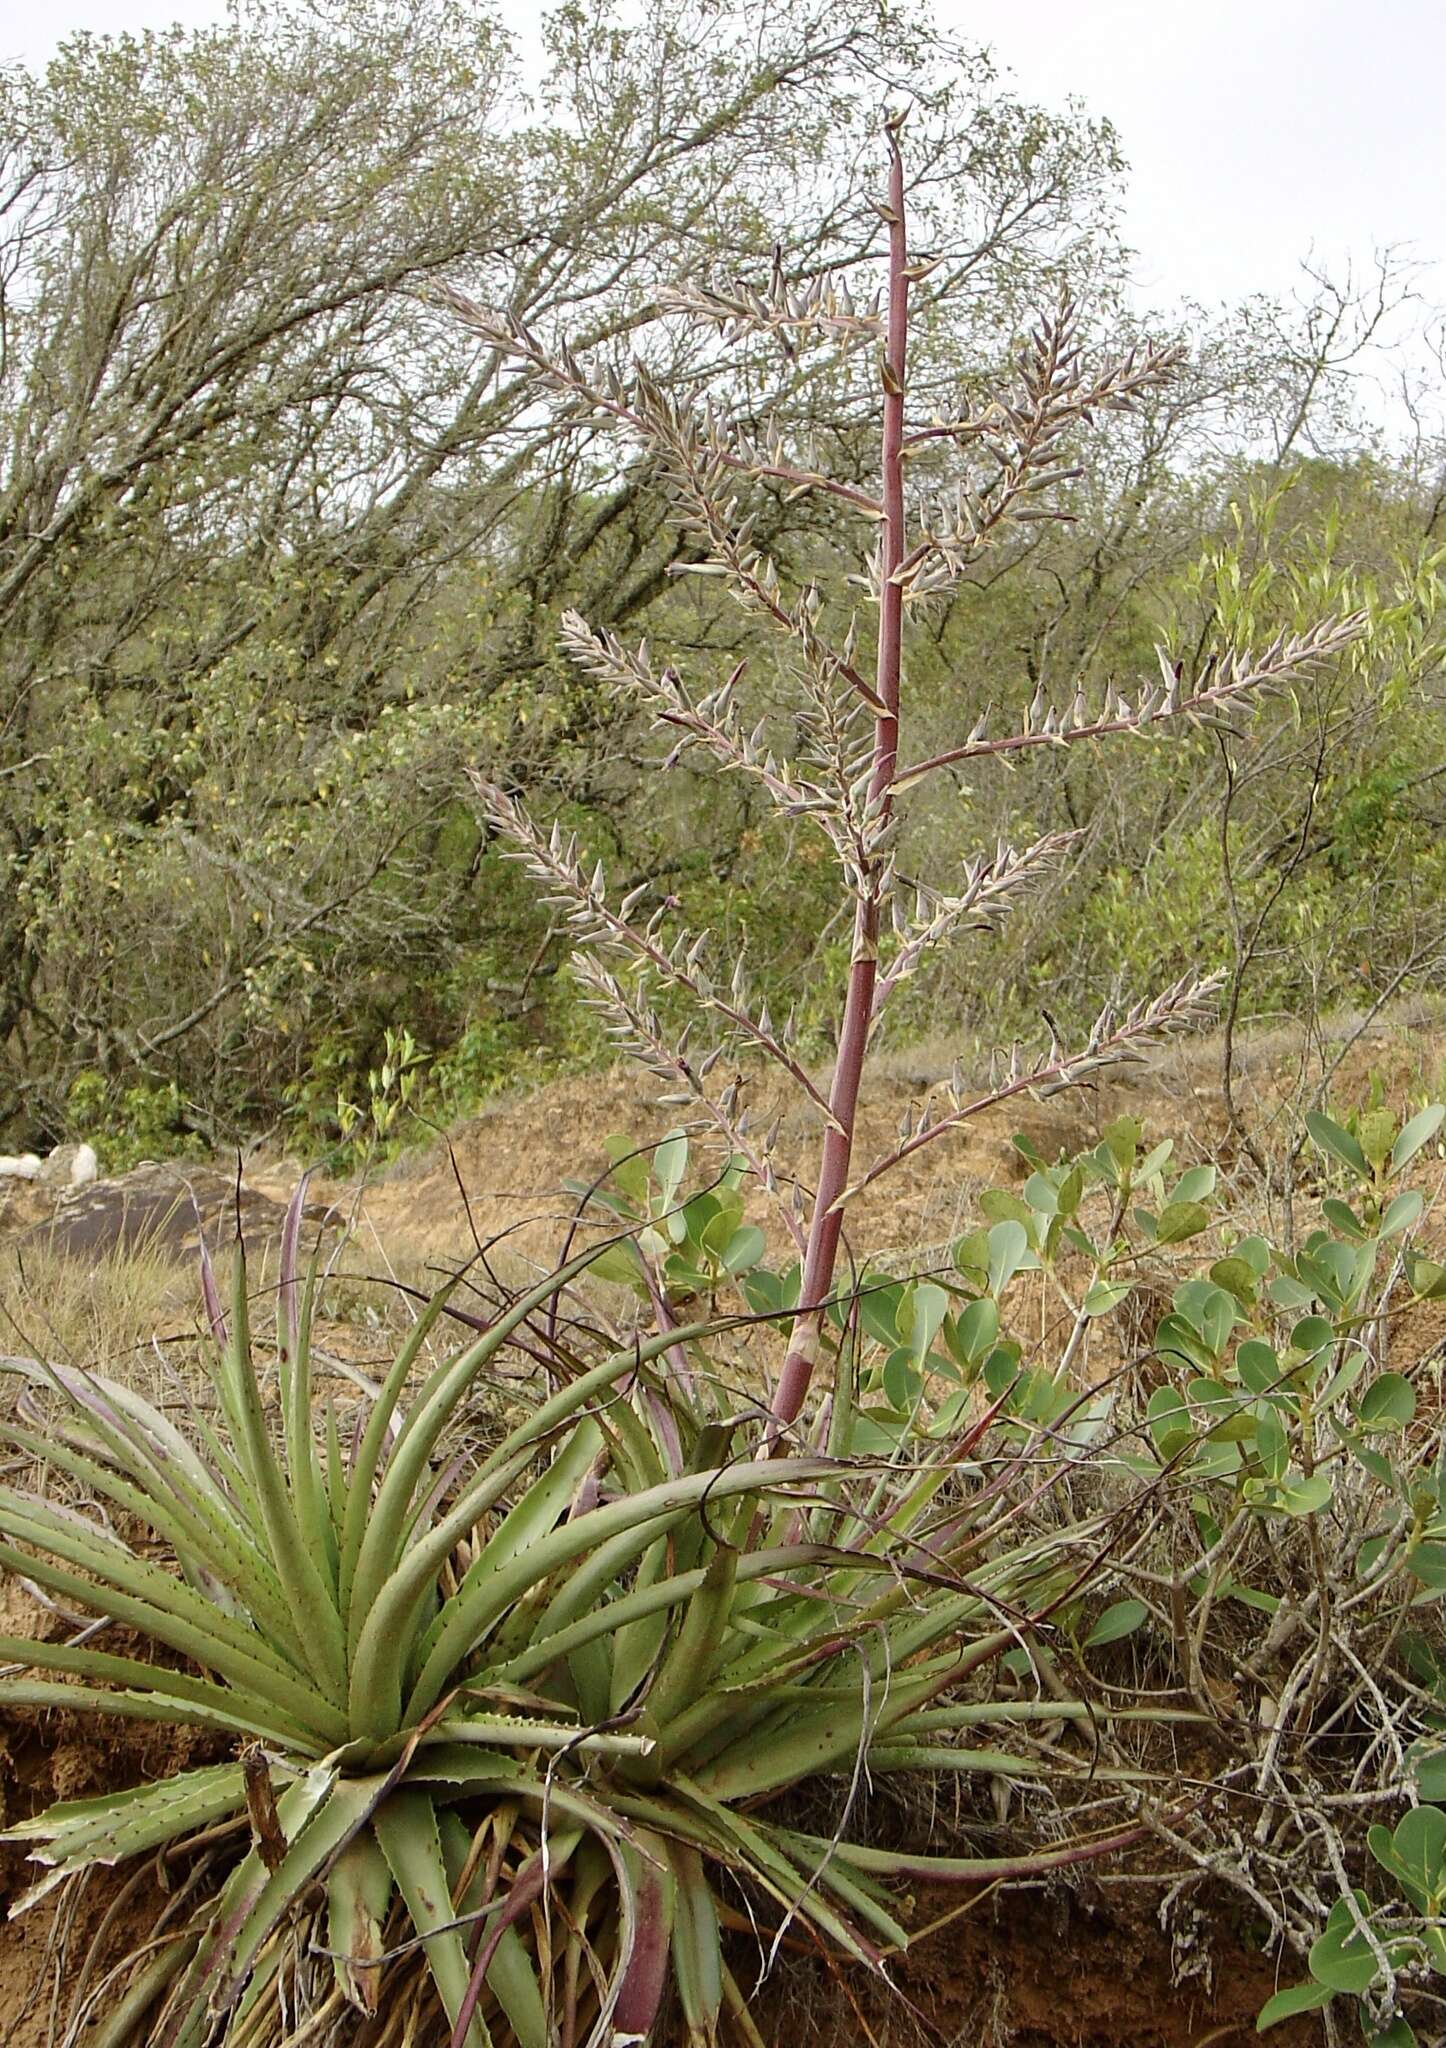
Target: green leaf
x,y
971,1256
1225,1416
880,1296
1415,1854
1119,1620
113,1825
1339,1143
1400,2034
629,1169
1389,1403
670,1163
1041,1195
1258,1366
1122,1140
1271,1441
1238,1278
697,1941
921,1318
1312,1335
999,1206
1175,1338
1105,1296
406,1828
1370,1461
1376,1130
1286,2004
902,1384
1341,1216
620,1265
358,1895
744,1249
1341,1958
1008,1249
1170,1421
976,1329
1418,1132
1195,1186
1001,1368
1428,1280
1251,1596
1154,1161
1341,1381
1426,1763
1403,1212
763,1291
1180,1220
1256,1254
1306,1496
1427,1562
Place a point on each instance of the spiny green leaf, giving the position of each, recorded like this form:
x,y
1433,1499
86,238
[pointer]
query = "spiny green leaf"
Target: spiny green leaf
x,y
112,1825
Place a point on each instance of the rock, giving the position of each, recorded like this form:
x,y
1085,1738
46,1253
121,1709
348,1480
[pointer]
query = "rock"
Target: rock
x,y
20,1166
69,1166
159,1205
23,1203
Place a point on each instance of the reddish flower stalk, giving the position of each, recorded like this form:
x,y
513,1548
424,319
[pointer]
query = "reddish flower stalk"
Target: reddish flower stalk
x,y
1018,453
826,1224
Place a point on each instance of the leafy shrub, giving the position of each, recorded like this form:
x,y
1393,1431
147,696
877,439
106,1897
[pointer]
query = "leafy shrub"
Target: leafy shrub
x,y
143,1121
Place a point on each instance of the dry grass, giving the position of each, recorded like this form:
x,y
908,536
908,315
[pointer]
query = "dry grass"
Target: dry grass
x,y
108,1316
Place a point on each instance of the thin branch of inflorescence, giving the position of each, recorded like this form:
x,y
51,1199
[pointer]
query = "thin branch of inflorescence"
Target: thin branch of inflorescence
x,y
1015,447
1111,1043
596,925
1010,460
1224,681
644,406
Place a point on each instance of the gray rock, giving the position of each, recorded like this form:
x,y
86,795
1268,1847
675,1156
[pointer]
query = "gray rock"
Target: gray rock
x,y
165,1206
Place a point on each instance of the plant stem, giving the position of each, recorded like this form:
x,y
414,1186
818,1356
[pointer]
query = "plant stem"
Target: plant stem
x,y
826,1222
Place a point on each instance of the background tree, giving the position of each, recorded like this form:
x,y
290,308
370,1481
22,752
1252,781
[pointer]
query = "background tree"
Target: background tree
x,y
271,557
275,558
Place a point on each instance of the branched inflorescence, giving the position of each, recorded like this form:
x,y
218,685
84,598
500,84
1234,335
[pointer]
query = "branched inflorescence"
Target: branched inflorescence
x,y
1010,460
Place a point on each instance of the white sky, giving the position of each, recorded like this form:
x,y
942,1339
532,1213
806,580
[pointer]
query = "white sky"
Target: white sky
x,y
1256,130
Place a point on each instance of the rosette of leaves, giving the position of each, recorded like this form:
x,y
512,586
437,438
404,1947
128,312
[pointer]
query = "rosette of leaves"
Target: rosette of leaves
x,y
524,1723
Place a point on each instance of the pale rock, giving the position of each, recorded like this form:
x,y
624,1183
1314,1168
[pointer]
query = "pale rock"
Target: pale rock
x,y
68,1166
19,1166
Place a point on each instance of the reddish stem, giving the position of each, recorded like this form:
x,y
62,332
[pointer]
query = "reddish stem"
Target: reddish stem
x,y
826,1223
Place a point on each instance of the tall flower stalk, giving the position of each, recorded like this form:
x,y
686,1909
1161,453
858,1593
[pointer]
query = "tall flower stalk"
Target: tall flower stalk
x,y
1007,461
826,1223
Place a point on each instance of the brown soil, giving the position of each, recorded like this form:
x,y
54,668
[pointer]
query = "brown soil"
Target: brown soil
x,y
1086,1968
94,1926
